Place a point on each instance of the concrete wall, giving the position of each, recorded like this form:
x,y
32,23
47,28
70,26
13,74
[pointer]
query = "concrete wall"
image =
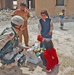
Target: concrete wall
x,y
27,2
2,4
32,5
50,6
9,4
70,7
6,4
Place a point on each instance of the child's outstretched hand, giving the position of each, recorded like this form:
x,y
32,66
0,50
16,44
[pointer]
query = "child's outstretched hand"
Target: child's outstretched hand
x,y
50,33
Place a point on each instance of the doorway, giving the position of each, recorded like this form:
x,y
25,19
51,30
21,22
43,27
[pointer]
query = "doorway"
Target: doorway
x,y
30,3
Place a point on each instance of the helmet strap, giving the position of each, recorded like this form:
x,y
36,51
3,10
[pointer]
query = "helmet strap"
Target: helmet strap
x,y
14,25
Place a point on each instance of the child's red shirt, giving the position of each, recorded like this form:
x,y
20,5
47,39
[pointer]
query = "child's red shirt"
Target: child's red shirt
x,y
51,58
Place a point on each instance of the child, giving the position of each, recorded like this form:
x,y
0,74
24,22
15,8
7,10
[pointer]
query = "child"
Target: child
x,y
49,56
24,13
62,15
45,26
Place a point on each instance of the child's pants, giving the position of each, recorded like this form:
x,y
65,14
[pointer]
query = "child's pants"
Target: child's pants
x,y
62,23
43,59
25,35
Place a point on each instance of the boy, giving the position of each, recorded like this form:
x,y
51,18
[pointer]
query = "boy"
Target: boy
x,y
24,13
62,15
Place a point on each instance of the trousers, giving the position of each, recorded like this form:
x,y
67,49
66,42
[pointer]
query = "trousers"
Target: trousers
x,y
23,33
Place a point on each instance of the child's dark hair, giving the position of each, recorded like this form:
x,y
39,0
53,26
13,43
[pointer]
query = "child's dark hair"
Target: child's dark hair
x,y
63,10
48,44
45,12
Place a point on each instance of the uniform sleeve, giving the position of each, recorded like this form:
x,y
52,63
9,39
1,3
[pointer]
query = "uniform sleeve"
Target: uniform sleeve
x,y
14,13
28,15
51,26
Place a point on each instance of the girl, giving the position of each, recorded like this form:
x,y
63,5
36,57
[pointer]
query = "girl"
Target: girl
x,y
45,26
49,56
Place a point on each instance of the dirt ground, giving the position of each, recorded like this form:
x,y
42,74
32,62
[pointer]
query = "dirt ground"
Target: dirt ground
x,y
63,42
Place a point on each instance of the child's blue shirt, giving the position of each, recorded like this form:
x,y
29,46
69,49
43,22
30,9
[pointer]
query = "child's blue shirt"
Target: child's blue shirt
x,y
45,25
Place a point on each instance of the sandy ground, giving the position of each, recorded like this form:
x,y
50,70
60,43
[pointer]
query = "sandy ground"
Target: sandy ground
x,y
64,43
